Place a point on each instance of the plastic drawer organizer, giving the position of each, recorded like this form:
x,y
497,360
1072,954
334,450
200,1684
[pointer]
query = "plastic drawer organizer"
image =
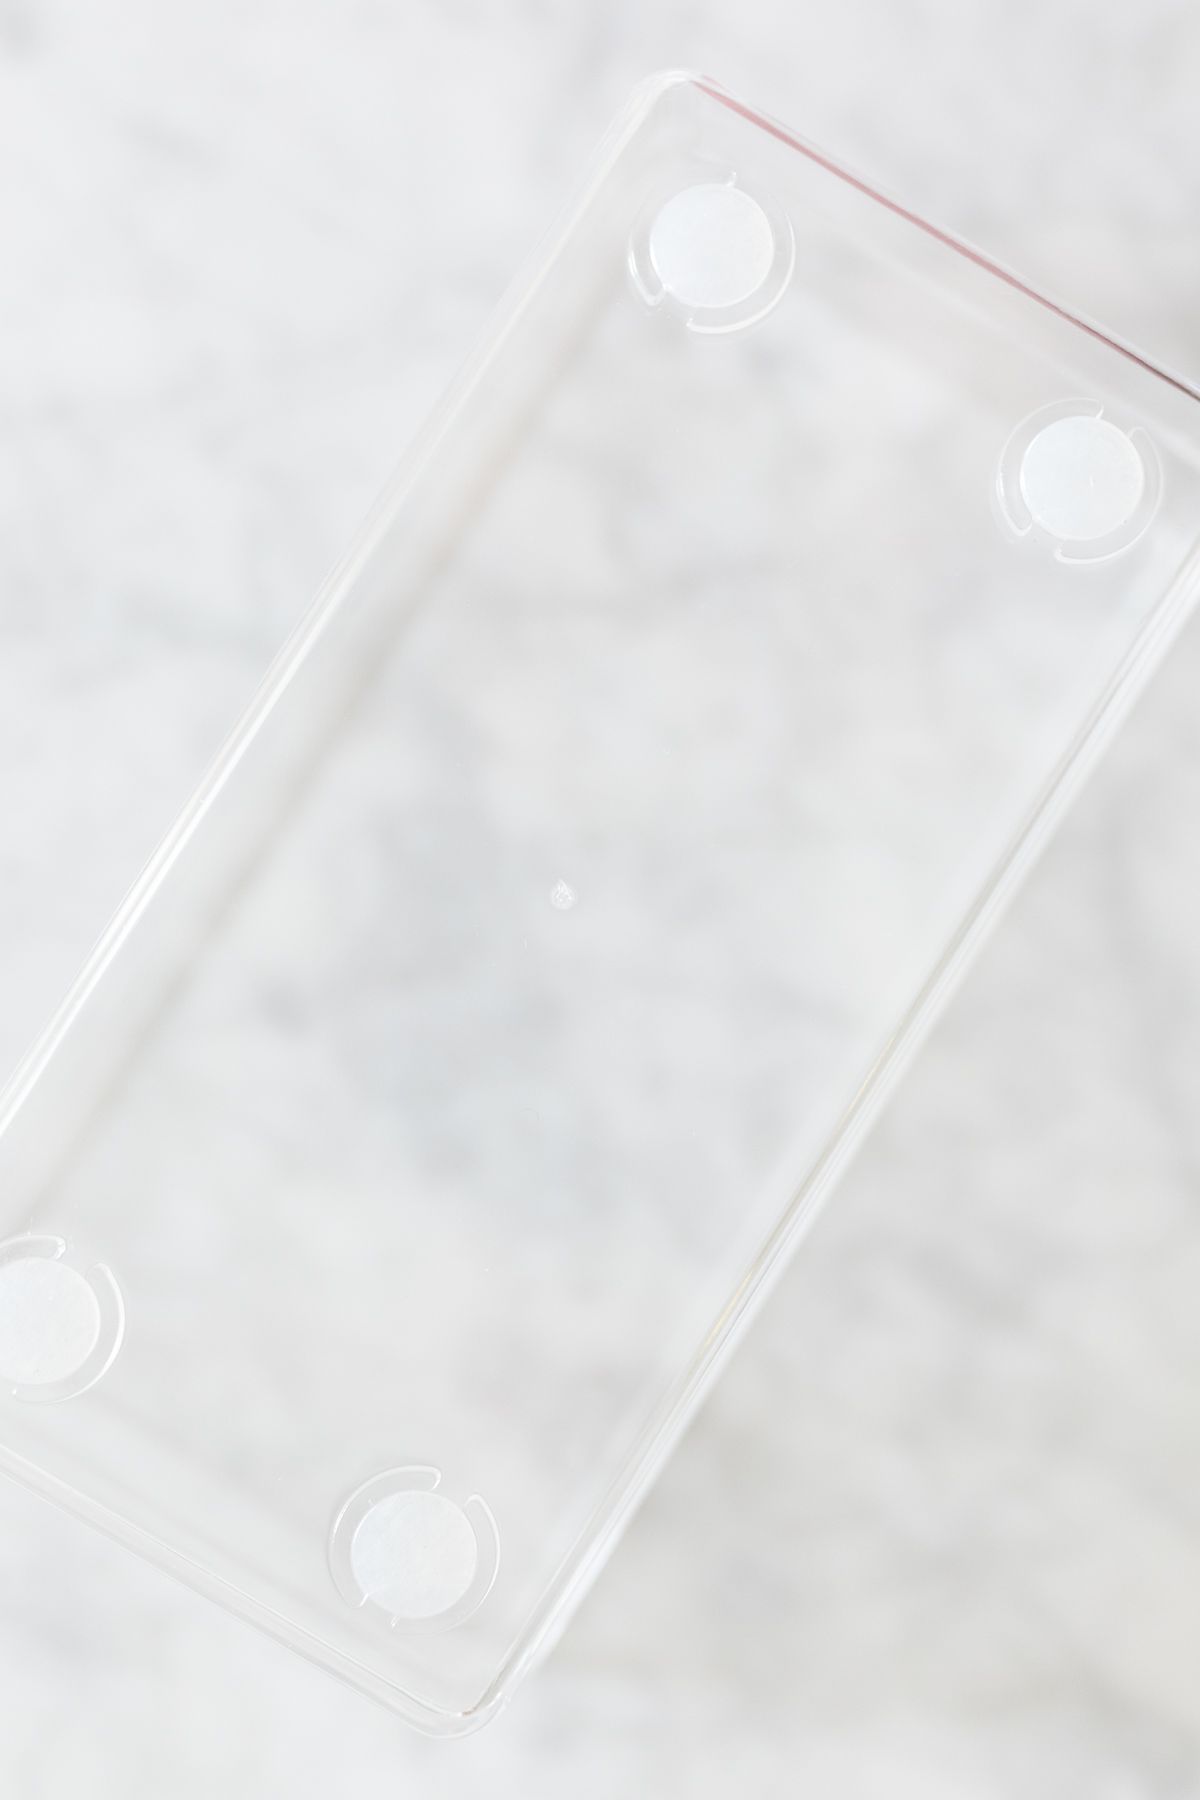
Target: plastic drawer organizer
x,y
453,1081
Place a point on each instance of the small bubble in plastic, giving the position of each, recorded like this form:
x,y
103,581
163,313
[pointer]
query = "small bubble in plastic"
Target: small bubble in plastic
x,y
562,896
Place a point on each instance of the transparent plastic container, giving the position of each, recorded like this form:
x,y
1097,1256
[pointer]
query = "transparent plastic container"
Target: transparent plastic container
x,y
443,1098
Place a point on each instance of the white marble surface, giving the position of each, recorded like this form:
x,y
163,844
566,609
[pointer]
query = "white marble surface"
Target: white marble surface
x,y
937,1532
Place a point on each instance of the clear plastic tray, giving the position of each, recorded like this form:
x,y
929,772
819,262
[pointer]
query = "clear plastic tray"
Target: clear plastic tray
x,y
435,1111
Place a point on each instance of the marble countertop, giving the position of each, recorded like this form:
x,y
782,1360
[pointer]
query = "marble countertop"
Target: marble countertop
x,y
938,1530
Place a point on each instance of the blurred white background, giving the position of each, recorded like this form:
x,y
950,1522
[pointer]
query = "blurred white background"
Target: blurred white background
x,y
938,1532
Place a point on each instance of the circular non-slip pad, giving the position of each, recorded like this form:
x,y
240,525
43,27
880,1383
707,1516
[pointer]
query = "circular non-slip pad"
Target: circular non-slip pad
x,y
1082,479
414,1554
711,247
49,1321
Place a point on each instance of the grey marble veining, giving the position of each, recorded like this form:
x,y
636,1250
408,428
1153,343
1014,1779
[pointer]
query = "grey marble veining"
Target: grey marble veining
x,y
938,1529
